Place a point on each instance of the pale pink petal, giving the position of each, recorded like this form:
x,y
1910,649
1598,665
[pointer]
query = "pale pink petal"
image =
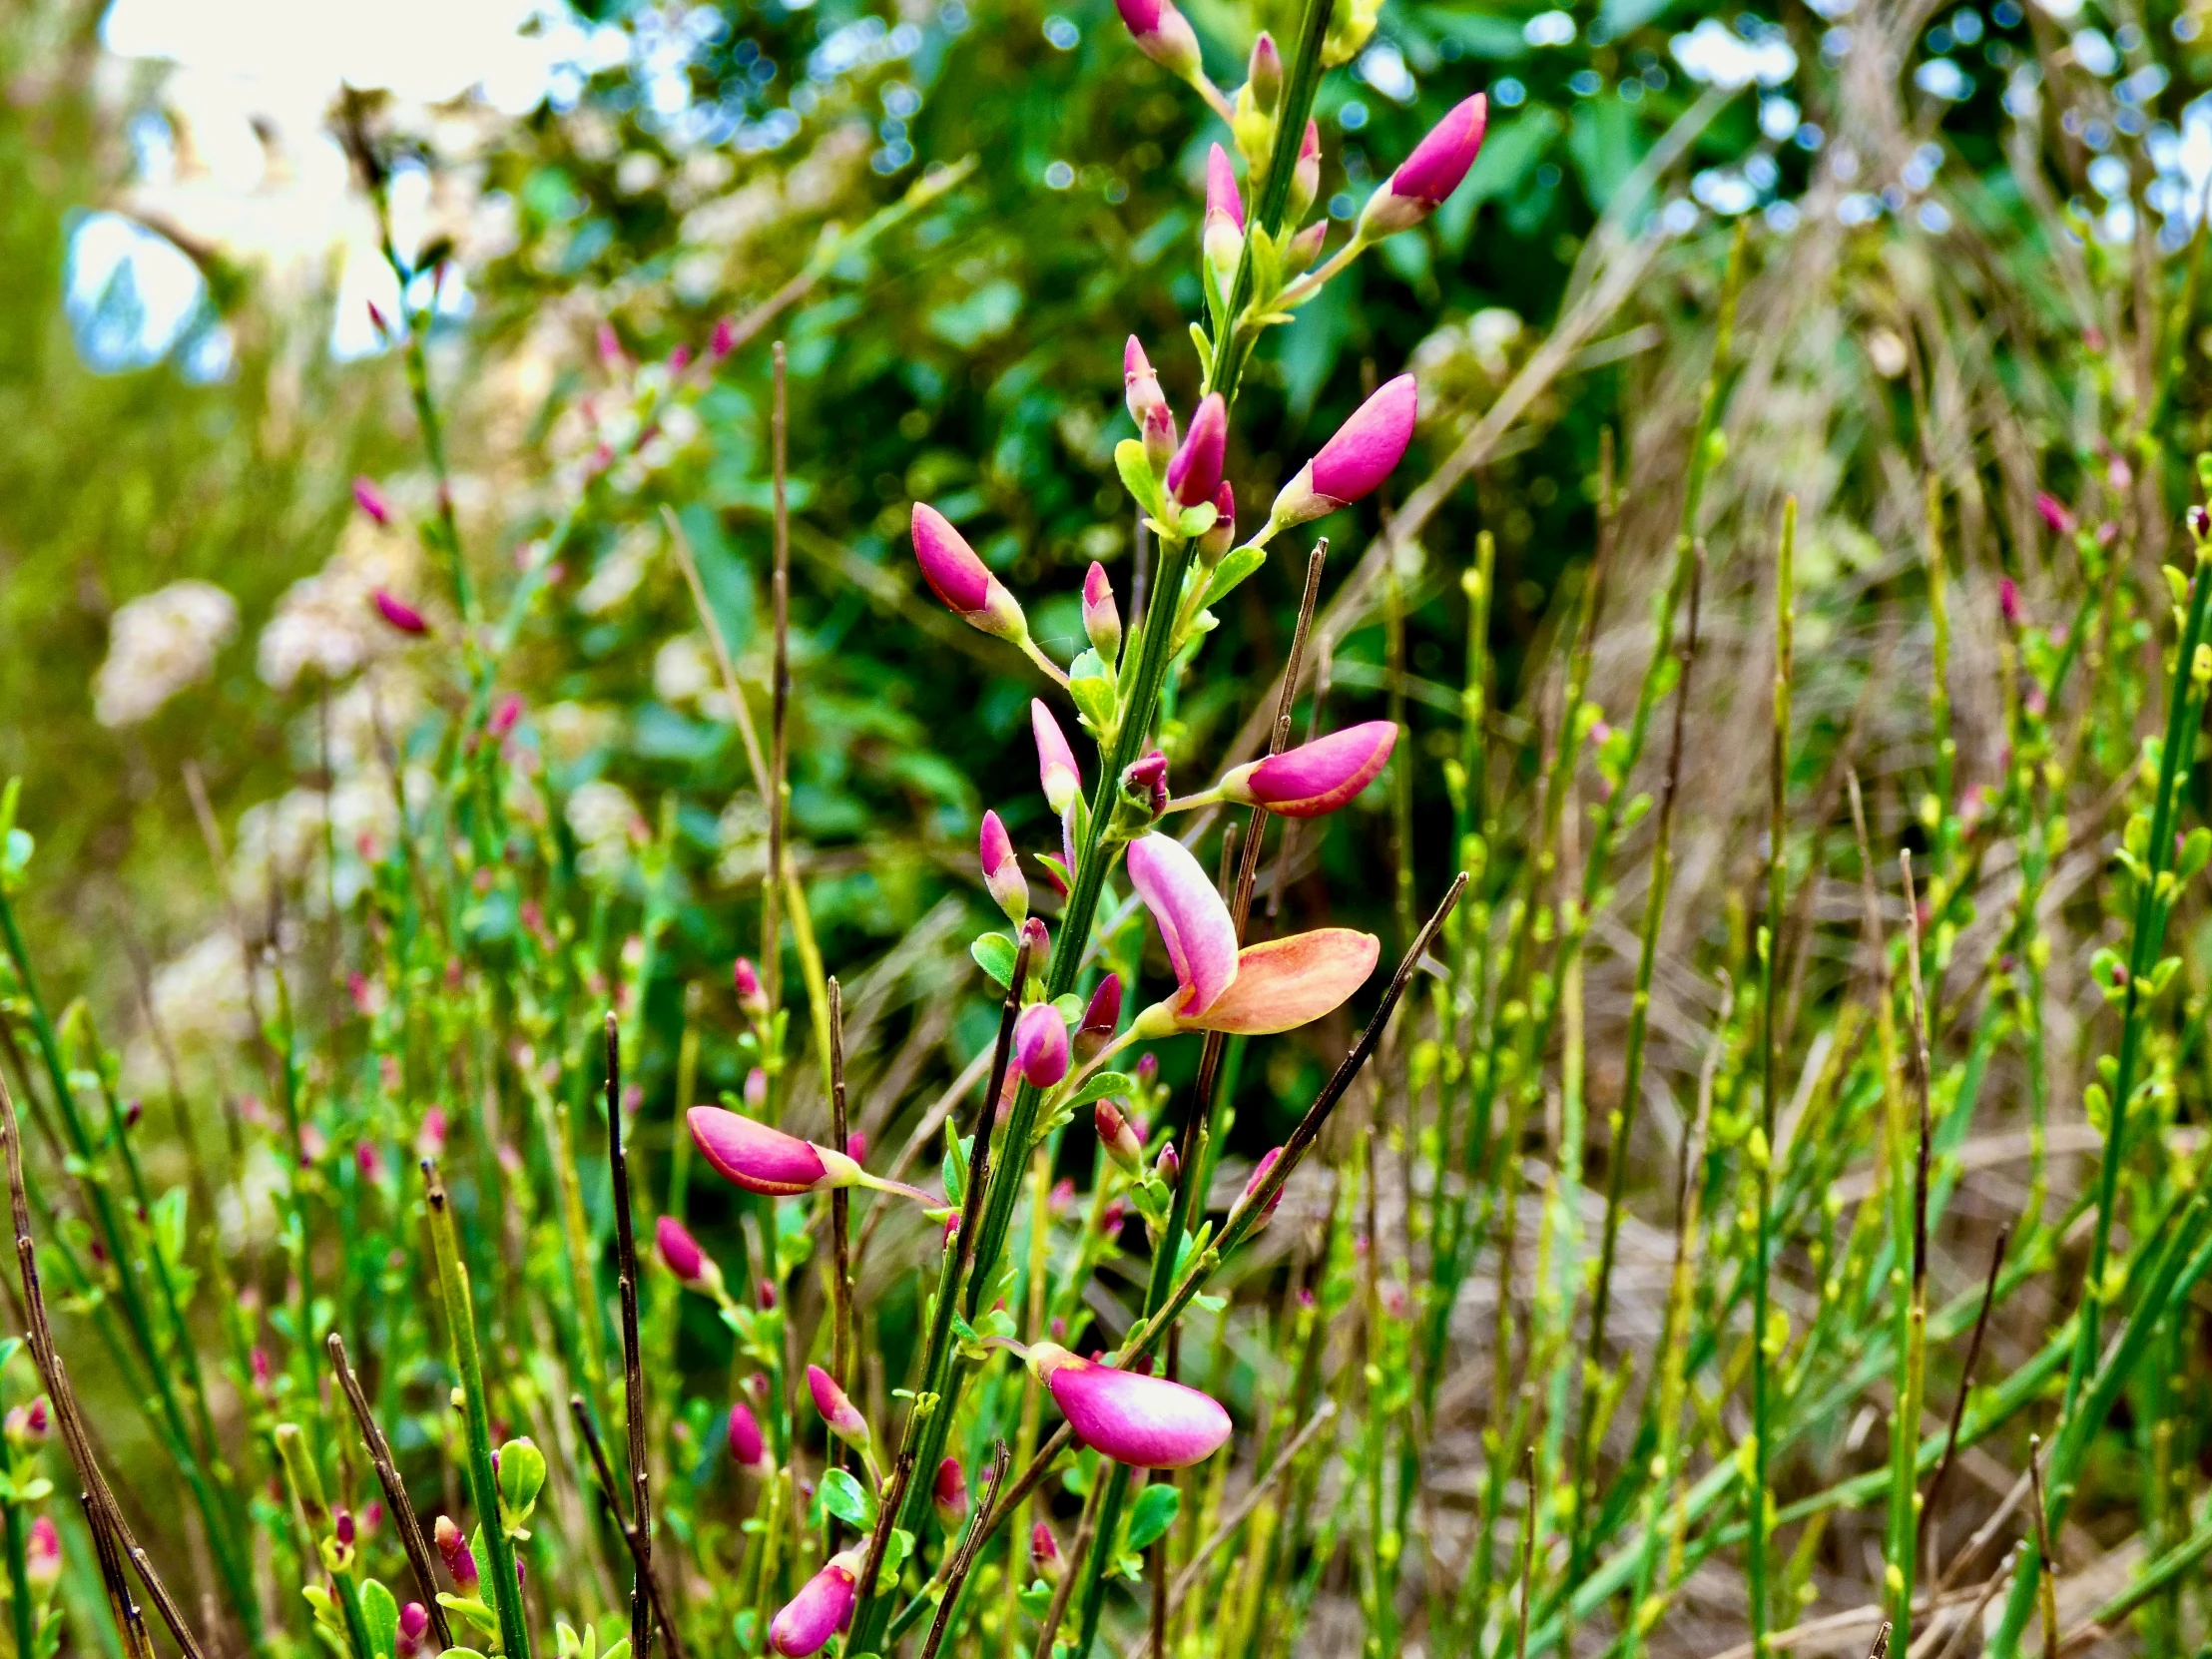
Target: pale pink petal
x,y
1193,921
1285,984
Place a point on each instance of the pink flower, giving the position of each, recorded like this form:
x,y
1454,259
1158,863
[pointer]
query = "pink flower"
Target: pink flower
x,y
684,1256
1148,405
1169,1164
1195,474
767,1160
1099,1019
504,714
370,500
1432,173
1118,1136
431,1138
1101,618
2055,513
1258,990
950,1493
1215,542
1146,1421
723,339
1306,173
43,1564
1147,781
958,577
748,1445
1057,772
399,614
837,1411
460,1561
1044,1551
1317,776
1260,1171
1042,1046
855,1146
745,979
823,1607
1264,74
1357,459
27,1426
2008,602
755,1087
1162,34
1002,870
414,1623
1223,235
1305,248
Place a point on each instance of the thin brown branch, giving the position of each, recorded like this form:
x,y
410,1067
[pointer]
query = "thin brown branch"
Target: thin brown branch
x,y
632,1363
396,1492
608,1491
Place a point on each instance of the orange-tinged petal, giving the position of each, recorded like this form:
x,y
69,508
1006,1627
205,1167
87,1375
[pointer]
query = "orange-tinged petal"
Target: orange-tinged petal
x,y
1285,984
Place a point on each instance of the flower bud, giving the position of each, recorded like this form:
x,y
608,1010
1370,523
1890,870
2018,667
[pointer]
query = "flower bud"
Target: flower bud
x,y
43,1554
1044,1553
1008,888
1260,1171
1318,777
1194,473
823,1607
2008,602
755,1087
684,1256
1148,404
1216,541
748,1445
1159,439
414,1623
1264,75
837,1411
460,1561
1356,460
1100,1019
1144,786
430,1137
855,1146
2055,513
1146,1421
1162,34
370,500
1038,938
961,580
723,339
752,997
767,1161
1305,248
1223,235
1101,618
950,1494
1118,1136
1305,173
1428,176
398,614
1169,1164
1057,772
27,1426
1042,1046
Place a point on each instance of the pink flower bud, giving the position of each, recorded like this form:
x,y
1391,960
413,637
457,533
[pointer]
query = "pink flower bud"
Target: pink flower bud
x,y
1039,940
1215,542
1223,235
1042,1046
370,500
1109,1225
1195,474
1057,772
1306,173
1162,34
1141,389
506,714
431,1138
1100,1019
746,979
748,1445
1318,777
344,1529
460,1561
950,1493
1008,888
43,1554
1146,1421
1357,459
1118,1136
27,1426
767,1161
837,1411
2055,513
2008,602
414,1623
1432,173
1260,1172
1305,248
1101,618
1044,1553
755,1087
1264,74
378,321
1160,440
960,579
764,1294
1146,781
611,355
823,1607
399,614
855,1146
680,1249
1169,1164
368,1160
722,341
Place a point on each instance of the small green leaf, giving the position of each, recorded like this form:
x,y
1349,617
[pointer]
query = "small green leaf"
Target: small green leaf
x,y
1098,1087
1237,565
382,1614
844,1497
994,953
1153,1514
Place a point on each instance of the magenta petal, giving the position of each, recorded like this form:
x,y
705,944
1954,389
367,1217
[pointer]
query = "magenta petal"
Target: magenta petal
x,y
756,1157
952,568
996,847
837,1407
1437,164
1221,198
679,1249
1142,16
1194,473
399,614
1317,776
747,1444
1042,1044
819,1610
1193,921
1286,983
1146,1421
1368,445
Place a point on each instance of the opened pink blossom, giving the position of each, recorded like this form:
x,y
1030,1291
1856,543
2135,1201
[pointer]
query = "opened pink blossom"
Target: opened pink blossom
x,y
1194,923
